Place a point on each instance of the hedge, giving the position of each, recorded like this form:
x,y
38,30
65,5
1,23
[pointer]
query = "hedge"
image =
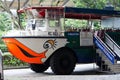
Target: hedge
x,y
9,60
3,48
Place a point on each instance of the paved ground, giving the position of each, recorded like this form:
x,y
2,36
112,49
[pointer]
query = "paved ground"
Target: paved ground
x,y
81,72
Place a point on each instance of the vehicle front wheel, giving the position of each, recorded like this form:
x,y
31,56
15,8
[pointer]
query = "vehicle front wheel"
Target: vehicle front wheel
x,y
63,62
39,68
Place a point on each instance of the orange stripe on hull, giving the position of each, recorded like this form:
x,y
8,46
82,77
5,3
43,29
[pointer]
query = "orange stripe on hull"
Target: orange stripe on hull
x,y
13,44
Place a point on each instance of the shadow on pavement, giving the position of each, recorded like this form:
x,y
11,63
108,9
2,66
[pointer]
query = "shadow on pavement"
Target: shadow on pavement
x,y
85,72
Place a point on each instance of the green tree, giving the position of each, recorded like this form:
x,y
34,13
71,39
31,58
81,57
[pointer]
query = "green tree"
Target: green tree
x,y
90,3
5,25
99,4
5,21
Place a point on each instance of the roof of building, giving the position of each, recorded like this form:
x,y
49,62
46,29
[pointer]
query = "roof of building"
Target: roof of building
x,y
80,13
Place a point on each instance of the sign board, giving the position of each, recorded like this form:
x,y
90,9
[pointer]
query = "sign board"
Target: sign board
x,y
86,39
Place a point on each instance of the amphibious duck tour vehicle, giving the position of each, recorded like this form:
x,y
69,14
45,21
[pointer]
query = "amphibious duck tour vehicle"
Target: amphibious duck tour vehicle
x,y
47,42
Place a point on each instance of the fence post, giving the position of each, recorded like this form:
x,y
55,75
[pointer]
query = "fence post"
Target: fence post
x,y
1,67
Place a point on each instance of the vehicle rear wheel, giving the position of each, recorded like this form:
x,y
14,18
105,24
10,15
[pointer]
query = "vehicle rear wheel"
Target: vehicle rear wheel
x,y
39,68
63,62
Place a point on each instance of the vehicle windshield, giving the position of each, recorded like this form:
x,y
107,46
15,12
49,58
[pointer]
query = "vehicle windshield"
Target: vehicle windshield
x,y
35,24
39,23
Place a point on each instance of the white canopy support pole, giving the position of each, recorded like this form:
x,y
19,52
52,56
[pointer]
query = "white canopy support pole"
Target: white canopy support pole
x,y
1,66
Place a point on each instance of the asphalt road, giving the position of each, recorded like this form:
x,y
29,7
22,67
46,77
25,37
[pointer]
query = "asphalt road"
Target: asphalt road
x,y
81,72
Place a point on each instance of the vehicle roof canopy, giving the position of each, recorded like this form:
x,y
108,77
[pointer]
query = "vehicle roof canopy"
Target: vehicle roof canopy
x,y
78,13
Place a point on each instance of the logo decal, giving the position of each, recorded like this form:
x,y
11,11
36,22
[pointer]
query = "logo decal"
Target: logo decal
x,y
50,44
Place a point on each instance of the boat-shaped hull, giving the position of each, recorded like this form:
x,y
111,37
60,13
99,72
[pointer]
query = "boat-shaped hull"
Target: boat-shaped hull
x,y
34,49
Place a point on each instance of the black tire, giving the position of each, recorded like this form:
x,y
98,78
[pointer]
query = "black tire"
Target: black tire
x,y
63,62
39,68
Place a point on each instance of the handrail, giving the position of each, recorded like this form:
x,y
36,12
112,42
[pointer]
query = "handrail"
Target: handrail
x,y
114,44
104,45
112,40
105,49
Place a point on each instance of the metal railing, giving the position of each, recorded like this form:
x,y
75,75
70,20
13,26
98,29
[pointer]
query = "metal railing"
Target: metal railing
x,y
105,49
112,44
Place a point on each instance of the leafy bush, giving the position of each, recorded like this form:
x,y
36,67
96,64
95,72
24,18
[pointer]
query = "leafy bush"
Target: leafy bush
x,y
10,60
3,48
